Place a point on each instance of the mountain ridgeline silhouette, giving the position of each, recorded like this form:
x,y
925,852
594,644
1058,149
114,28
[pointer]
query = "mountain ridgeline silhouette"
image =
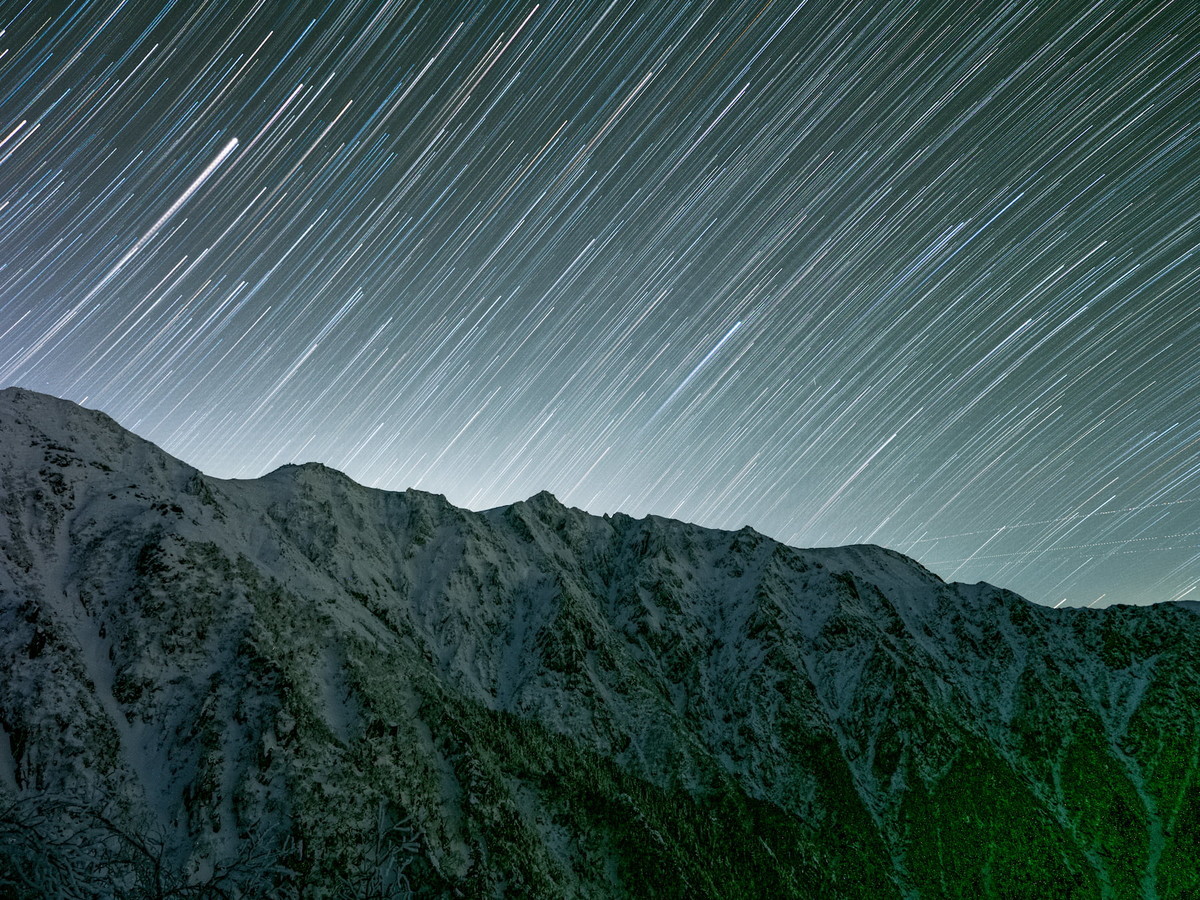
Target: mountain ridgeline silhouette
x,y
296,686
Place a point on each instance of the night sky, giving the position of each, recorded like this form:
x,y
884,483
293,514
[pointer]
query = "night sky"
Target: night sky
x,y
917,274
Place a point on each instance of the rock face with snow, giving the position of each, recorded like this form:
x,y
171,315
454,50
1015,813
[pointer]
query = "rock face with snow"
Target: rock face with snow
x,y
379,691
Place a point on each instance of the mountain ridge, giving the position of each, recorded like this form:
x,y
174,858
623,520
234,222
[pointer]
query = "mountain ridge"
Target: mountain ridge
x,y
211,655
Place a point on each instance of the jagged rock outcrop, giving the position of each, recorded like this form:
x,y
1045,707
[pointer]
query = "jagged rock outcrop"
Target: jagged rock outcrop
x,y
535,701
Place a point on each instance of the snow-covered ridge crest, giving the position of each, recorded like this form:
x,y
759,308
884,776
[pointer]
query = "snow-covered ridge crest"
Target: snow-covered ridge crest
x,y
383,687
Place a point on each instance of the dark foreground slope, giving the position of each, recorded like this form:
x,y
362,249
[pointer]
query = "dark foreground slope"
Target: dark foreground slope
x,y
298,686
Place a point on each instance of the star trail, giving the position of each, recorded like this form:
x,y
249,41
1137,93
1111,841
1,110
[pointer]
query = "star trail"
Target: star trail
x,y
916,274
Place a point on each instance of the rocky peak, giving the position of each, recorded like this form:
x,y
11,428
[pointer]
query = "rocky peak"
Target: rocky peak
x,y
534,700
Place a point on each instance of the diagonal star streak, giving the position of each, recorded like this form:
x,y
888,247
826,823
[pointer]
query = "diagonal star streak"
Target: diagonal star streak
x,y
901,273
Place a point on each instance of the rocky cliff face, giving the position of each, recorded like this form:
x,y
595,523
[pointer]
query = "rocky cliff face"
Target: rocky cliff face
x,y
298,686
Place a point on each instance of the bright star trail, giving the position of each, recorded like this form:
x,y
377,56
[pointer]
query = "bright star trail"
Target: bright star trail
x,y
918,274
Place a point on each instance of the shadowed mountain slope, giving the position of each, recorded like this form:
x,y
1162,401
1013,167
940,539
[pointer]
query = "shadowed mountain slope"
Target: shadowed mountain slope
x,y
299,686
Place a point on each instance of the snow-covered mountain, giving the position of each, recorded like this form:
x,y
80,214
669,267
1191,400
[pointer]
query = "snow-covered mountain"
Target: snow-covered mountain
x,y
299,686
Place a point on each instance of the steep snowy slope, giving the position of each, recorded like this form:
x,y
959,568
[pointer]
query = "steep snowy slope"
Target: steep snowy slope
x,y
364,686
